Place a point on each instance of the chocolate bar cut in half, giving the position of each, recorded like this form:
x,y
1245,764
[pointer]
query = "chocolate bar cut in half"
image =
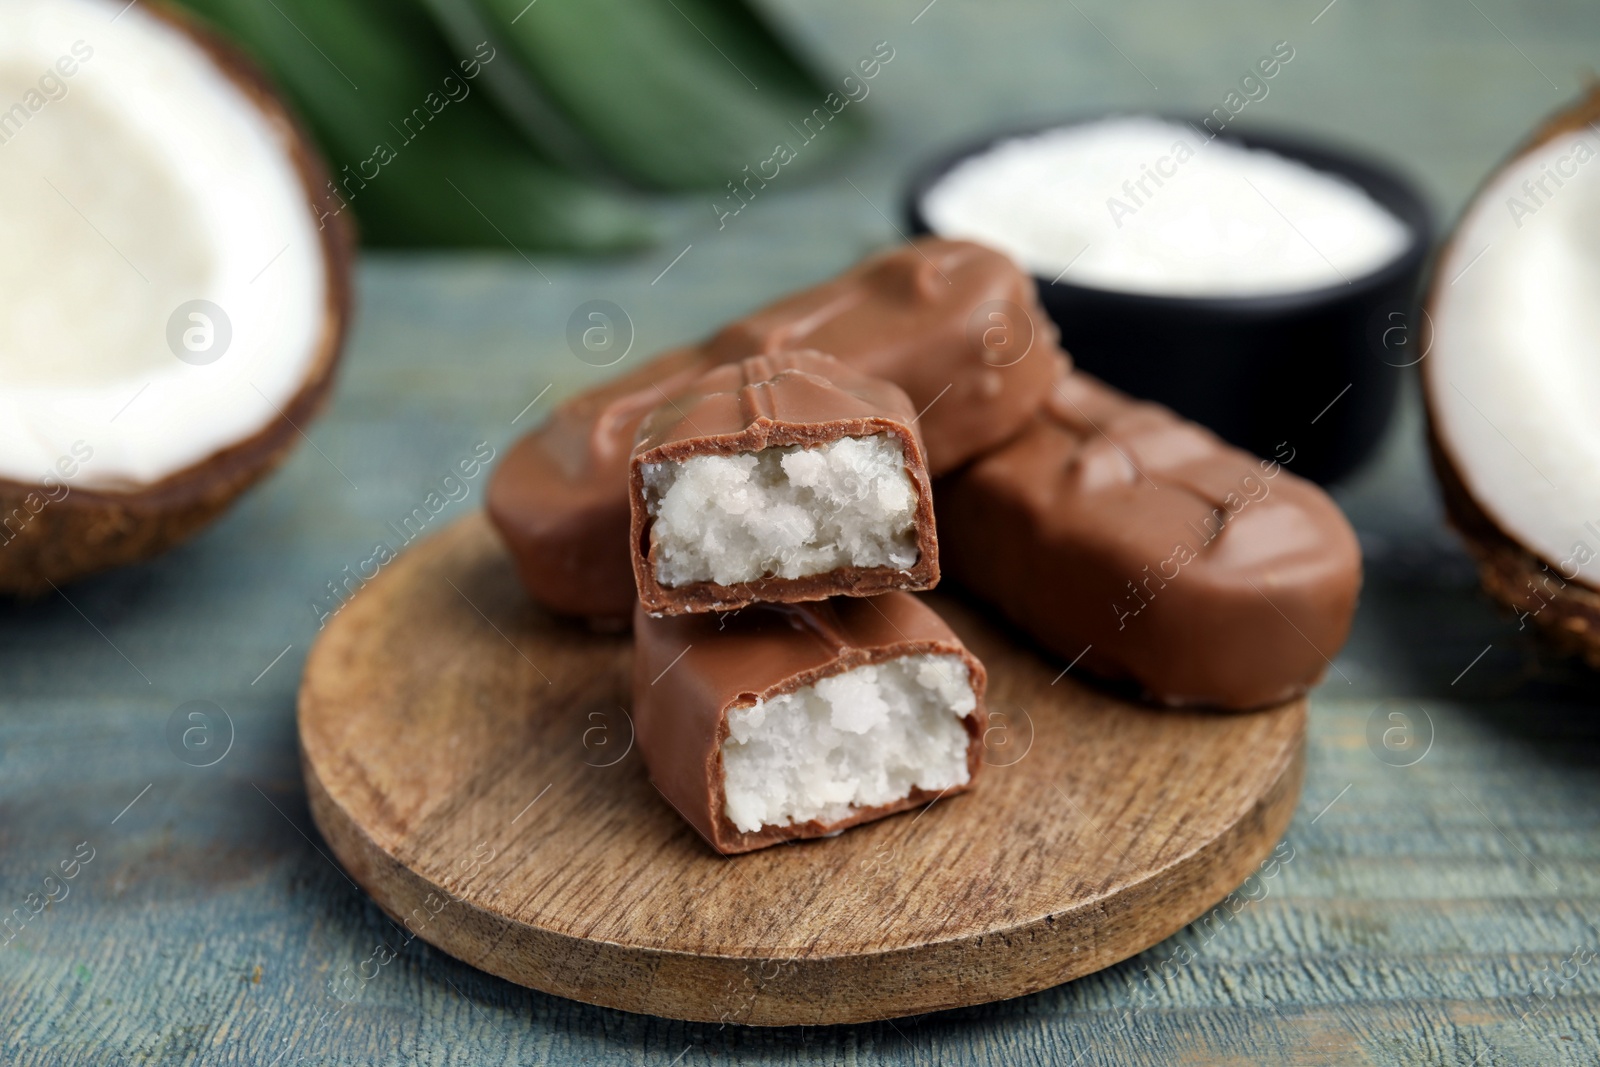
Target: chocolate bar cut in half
x,y
956,325
780,478
790,721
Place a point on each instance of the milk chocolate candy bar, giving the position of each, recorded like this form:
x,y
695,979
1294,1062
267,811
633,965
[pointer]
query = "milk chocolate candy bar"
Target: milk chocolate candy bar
x,y
956,325
789,721
780,478
560,499
1117,532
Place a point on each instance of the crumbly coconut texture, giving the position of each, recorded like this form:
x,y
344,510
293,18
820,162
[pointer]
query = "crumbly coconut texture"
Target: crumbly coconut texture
x,y
147,165
1069,202
859,739
782,512
1512,378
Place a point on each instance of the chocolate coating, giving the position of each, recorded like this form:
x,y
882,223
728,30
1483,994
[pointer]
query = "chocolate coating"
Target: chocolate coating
x,y
792,398
1116,530
688,670
560,499
920,316
953,323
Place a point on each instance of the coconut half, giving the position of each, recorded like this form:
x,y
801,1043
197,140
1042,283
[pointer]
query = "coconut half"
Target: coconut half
x,y
1512,379
173,297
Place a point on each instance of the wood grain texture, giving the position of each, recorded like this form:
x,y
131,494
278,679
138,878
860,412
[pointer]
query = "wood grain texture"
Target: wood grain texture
x,y
469,760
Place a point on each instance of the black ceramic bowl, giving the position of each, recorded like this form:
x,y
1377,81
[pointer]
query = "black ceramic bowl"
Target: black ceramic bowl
x,y
1310,374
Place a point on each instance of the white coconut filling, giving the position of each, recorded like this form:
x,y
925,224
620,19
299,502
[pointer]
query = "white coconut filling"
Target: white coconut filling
x,y
782,512
859,739
140,181
1514,369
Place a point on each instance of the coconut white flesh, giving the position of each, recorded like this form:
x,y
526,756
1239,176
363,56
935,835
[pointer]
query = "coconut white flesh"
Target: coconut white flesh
x,y
858,739
1211,218
1514,381
143,180
782,512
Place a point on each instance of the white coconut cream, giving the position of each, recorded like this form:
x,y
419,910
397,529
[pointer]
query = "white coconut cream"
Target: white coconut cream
x,y
1150,206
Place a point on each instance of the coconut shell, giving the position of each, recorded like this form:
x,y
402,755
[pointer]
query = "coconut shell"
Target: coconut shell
x,y
87,530
1565,611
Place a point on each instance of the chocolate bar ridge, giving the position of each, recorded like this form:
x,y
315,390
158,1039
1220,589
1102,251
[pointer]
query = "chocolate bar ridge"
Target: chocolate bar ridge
x,y
1140,546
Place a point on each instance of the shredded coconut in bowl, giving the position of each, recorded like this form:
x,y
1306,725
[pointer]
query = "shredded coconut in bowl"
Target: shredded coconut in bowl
x,y
1145,205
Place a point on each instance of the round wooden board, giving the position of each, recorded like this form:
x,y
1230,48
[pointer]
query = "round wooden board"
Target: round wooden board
x,y
470,762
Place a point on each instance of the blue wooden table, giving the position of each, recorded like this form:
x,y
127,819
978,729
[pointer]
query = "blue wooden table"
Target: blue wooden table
x,y
1438,912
